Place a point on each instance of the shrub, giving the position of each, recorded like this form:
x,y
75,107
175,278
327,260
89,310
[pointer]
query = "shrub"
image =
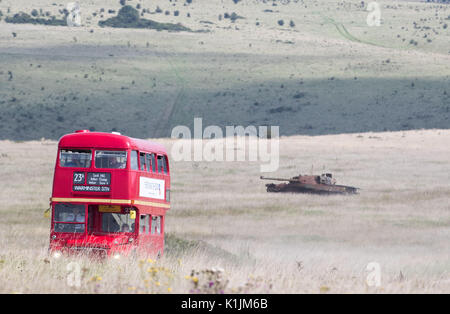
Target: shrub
x,y
299,95
128,14
280,109
234,17
23,18
128,17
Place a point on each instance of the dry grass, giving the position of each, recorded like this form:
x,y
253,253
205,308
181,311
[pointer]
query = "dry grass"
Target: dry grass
x,y
264,242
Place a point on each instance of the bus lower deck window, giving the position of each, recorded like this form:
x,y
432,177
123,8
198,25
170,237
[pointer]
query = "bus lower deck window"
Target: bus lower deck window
x,y
69,228
110,159
75,158
69,213
144,224
156,224
69,218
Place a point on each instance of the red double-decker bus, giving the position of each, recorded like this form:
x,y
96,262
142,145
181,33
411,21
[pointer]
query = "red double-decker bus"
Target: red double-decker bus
x,y
110,195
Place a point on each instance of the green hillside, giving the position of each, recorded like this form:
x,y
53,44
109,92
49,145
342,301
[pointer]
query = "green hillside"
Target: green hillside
x,y
310,67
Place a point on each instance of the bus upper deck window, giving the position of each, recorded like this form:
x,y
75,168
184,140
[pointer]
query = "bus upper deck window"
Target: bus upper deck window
x,y
110,159
134,160
142,161
153,161
148,162
162,164
165,164
75,158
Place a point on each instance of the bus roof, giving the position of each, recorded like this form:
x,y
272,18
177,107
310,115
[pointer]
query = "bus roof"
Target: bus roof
x,y
87,139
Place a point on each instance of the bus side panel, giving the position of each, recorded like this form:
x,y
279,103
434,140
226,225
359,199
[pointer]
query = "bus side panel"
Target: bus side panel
x,y
150,243
137,193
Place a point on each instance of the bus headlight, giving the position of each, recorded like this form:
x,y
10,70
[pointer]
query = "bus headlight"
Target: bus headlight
x,y
116,256
56,255
54,237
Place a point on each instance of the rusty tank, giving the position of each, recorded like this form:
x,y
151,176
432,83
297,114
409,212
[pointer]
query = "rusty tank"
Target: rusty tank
x,y
315,184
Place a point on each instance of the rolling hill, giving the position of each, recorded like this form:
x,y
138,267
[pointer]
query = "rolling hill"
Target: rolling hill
x,y
310,67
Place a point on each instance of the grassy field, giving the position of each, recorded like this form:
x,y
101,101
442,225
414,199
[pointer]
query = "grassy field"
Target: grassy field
x,y
222,217
369,104
327,73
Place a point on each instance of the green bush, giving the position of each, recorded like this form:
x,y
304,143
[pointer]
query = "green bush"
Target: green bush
x,y
234,17
128,17
23,18
128,14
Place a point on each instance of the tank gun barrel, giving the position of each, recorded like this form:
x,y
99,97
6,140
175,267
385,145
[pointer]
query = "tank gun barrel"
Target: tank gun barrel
x,y
278,179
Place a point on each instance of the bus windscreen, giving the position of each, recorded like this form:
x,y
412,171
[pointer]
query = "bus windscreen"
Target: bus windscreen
x,y
75,158
110,159
115,222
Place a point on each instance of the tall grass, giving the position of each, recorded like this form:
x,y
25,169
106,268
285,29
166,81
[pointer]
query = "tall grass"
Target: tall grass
x,y
225,233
